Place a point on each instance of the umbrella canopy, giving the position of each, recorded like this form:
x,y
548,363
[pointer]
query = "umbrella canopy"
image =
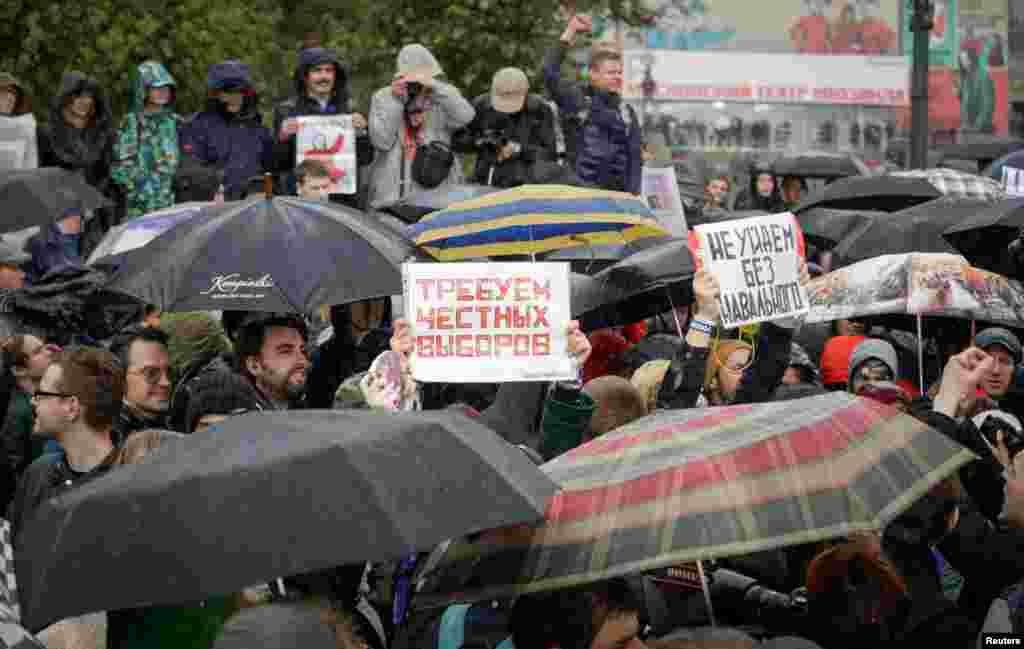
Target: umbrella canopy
x,y
1014,160
32,197
534,219
983,152
693,484
820,164
983,237
902,189
916,284
268,495
589,260
915,229
138,232
644,284
416,205
824,227
280,254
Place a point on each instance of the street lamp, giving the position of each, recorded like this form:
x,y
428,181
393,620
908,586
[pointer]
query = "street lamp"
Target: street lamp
x,y
921,23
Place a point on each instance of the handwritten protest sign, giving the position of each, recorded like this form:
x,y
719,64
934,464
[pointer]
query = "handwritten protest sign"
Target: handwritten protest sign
x,y
661,191
489,322
329,139
757,264
1013,182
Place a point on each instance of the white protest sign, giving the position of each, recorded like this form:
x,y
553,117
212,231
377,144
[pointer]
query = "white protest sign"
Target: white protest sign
x,y
330,139
661,191
757,264
489,322
1013,182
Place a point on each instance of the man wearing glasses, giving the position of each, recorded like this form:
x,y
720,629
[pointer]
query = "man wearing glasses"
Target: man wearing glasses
x,y
142,352
77,403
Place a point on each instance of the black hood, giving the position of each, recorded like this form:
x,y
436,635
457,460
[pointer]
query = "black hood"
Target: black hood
x,y
83,152
318,56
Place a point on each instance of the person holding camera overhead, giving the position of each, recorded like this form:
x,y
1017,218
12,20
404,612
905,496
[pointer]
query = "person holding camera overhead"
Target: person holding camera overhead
x,y
411,127
513,134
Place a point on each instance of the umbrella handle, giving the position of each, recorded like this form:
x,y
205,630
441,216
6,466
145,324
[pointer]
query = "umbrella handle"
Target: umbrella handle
x,y
920,352
675,316
707,592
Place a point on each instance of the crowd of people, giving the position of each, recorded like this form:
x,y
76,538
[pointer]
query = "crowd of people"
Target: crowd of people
x,y
942,572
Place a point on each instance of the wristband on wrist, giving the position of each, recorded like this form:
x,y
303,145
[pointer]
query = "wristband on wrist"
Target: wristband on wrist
x,y
702,326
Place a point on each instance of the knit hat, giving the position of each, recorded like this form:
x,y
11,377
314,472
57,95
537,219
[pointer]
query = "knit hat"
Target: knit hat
x,y
417,59
219,393
873,348
313,56
835,359
1002,337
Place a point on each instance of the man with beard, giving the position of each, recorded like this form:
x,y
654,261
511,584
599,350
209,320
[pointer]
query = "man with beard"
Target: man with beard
x,y
271,350
321,88
143,353
76,403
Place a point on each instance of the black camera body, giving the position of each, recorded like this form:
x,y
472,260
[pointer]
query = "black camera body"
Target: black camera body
x,y
493,139
1012,438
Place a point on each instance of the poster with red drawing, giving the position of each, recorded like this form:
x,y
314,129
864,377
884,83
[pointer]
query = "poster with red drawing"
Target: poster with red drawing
x,y
330,139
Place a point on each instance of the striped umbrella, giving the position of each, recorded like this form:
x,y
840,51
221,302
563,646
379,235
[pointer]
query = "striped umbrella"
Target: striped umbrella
x,y
534,219
685,485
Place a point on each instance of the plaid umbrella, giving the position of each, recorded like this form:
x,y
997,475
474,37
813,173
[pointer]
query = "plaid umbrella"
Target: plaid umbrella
x,y
902,189
682,485
533,219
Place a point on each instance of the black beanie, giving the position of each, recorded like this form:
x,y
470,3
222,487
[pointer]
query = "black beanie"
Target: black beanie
x,y
219,393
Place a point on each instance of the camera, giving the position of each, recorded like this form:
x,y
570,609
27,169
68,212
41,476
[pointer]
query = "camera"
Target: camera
x,y
990,423
744,599
492,139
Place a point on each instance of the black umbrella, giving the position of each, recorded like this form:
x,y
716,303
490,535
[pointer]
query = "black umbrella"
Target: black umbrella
x,y
824,227
268,495
879,193
31,197
982,152
589,260
416,205
645,284
983,238
820,164
917,229
280,254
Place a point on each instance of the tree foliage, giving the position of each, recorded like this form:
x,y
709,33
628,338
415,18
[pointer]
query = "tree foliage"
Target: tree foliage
x,y
41,39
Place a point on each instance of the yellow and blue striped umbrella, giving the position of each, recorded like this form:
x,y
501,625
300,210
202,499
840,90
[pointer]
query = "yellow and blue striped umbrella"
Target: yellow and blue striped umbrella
x,y
534,219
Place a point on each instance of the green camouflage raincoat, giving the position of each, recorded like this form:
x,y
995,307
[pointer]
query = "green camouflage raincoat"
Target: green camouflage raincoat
x,y
146,151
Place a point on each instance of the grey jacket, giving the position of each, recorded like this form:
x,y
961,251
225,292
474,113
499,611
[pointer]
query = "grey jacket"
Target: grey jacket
x,y
448,113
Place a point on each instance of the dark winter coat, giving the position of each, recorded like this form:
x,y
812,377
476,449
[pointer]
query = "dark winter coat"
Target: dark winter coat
x,y
533,128
300,104
606,145
87,150
237,143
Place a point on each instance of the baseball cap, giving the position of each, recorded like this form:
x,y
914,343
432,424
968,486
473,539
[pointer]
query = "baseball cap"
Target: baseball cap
x,y
509,89
999,336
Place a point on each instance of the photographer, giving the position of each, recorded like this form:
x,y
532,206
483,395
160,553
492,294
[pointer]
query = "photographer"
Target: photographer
x,y
513,134
411,126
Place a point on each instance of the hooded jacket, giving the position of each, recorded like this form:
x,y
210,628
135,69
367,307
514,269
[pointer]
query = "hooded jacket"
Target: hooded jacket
x,y
750,199
146,151
300,104
606,144
87,150
18,130
237,143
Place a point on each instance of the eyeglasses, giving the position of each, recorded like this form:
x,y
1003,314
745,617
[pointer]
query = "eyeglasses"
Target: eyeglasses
x,y
152,375
40,394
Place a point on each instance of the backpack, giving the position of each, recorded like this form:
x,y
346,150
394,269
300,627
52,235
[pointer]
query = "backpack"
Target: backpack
x,y
573,125
484,625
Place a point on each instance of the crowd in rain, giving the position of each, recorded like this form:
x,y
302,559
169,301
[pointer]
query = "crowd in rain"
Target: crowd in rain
x,y
101,389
